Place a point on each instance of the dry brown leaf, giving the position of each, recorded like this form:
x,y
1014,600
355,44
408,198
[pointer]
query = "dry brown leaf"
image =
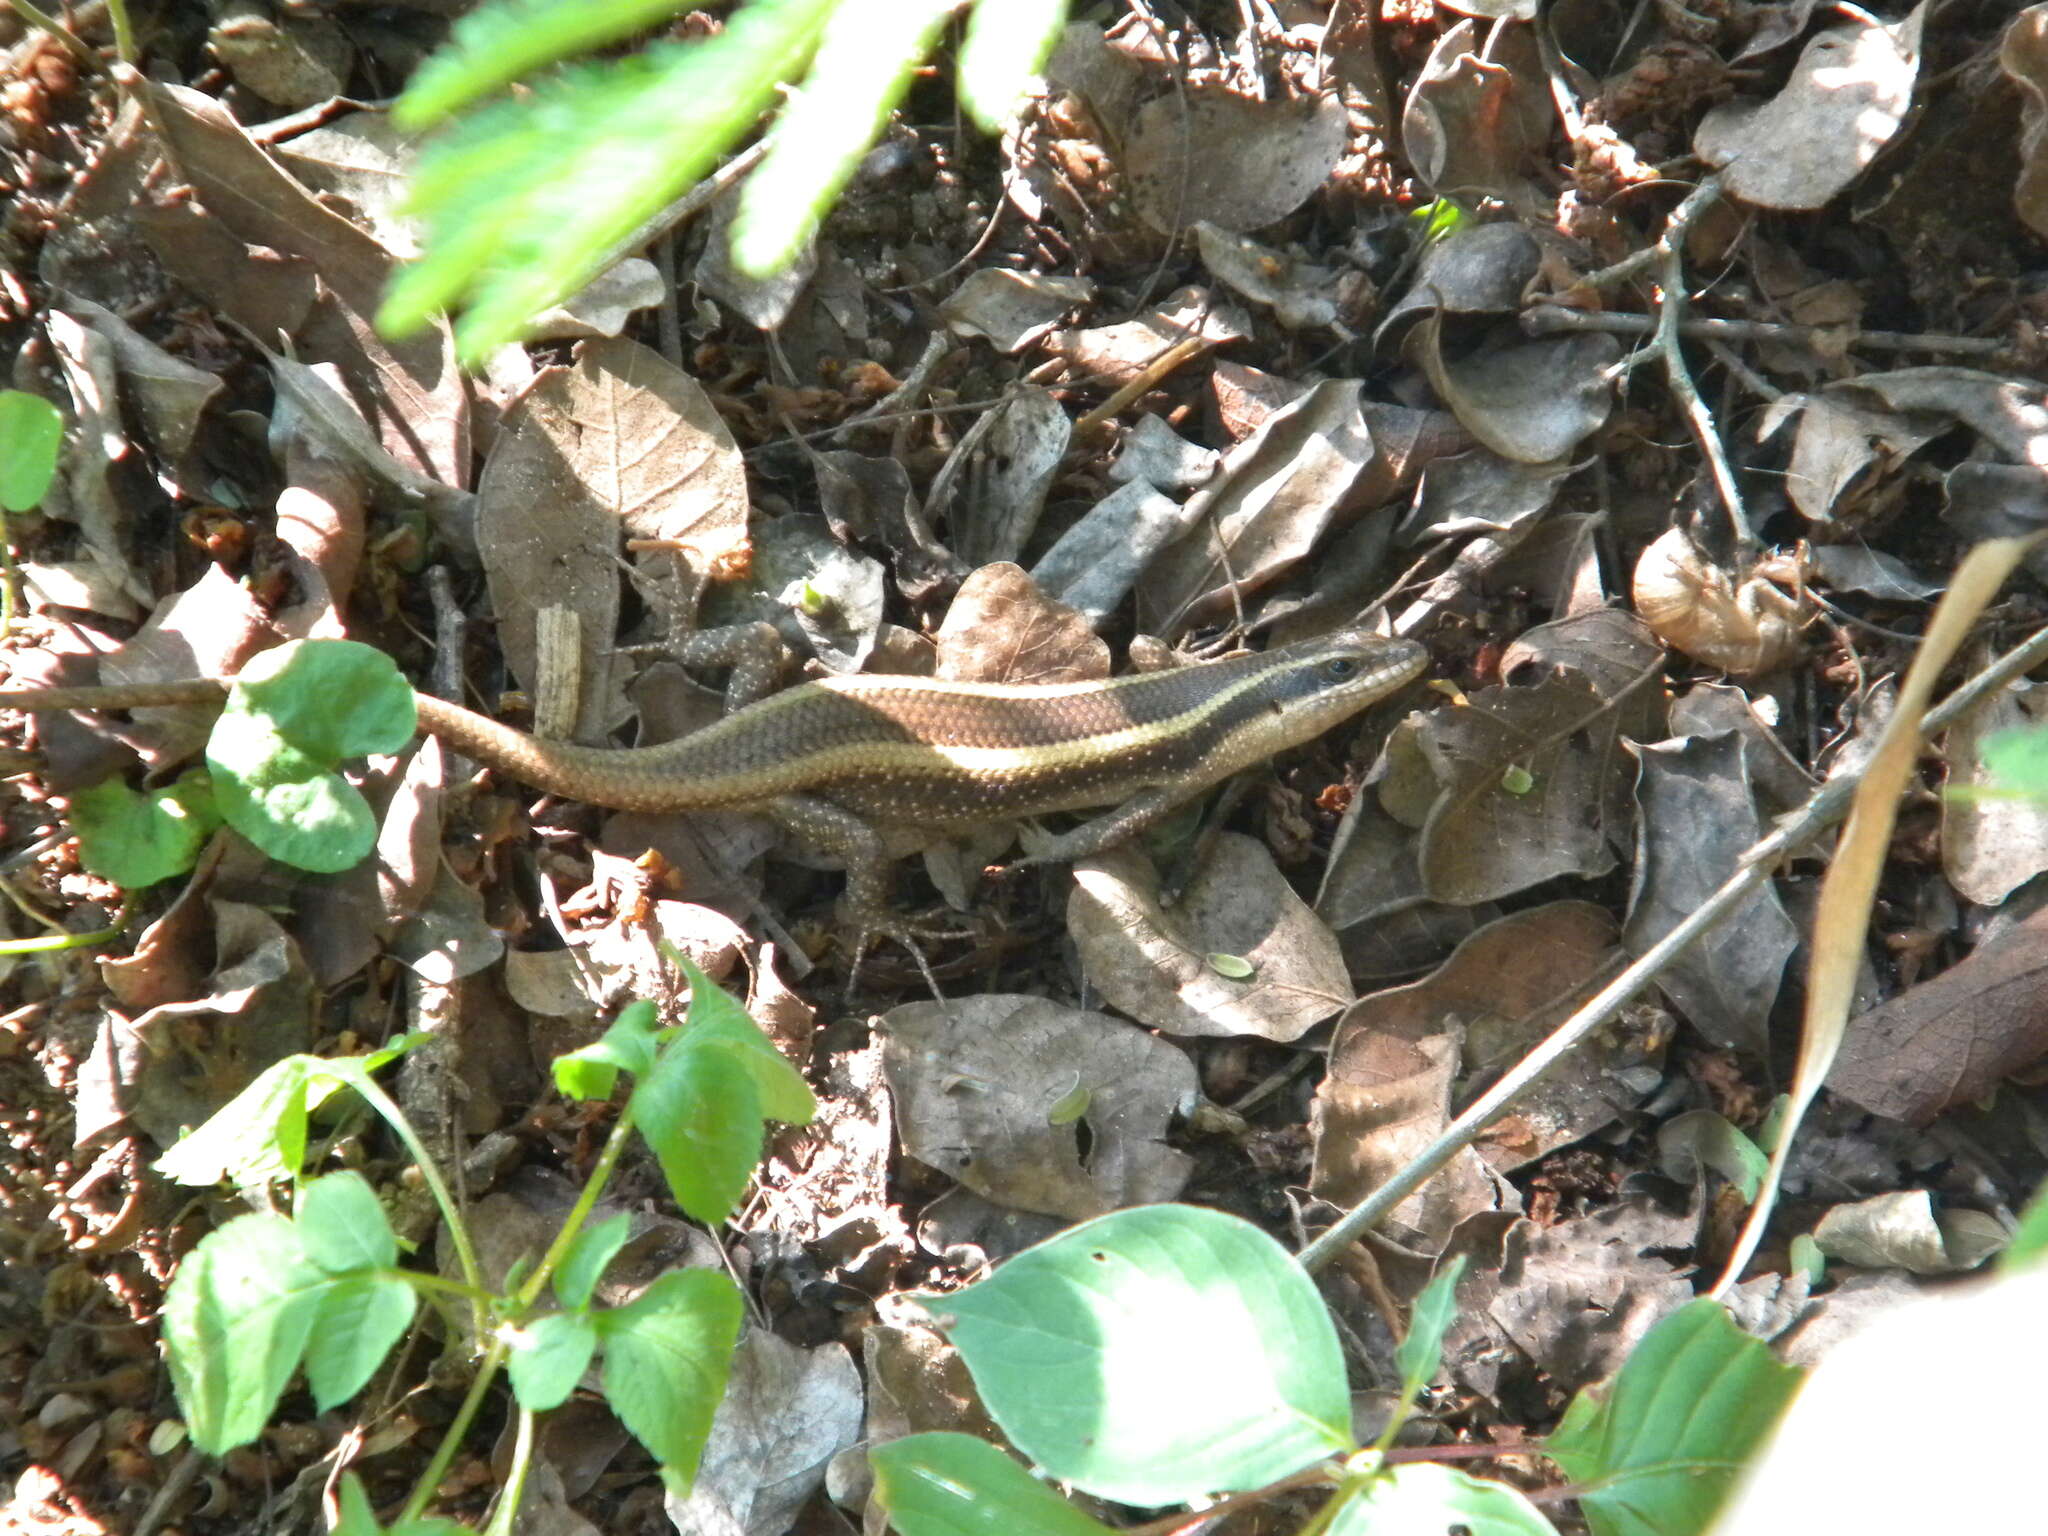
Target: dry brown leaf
x,y
1156,963
1002,629
1212,155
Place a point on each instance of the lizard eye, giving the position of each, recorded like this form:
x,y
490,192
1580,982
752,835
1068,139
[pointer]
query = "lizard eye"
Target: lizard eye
x,y
1340,669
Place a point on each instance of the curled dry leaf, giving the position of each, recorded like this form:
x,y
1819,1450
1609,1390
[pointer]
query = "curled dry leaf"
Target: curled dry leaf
x,y
1152,961
1473,122
1530,401
1902,1230
1846,98
1746,628
1012,309
979,1083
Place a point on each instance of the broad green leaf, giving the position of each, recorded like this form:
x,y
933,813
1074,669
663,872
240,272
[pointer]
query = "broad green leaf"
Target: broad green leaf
x,y
592,1071
956,1485
1657,1448
235,1323
496,44
260,1134
360,1317
31,434
700,1111
549,1358
1157,1354
331,699
593,1248
1421,1497
1007,44
136,839
343,1227
524,200
359,1518
293,807
716,1019
869,51
666,1359
1428,1320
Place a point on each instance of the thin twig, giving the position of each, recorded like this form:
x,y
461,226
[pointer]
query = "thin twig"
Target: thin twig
x,y
1551,319
35,16
1826,806
1670,313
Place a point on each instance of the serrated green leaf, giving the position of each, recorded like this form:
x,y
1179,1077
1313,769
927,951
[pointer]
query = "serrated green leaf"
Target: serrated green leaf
x,y
497,44
359,1318
506,194
1007,44
549,1358
717,1021
865,59
235,1324
31,436
666,1359
134,839
1155,1355
1656,1450
592,1071
701,1113
342,1226
1419,1497
956,1485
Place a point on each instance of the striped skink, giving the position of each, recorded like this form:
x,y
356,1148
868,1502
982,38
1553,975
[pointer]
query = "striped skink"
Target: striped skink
x,y
838,760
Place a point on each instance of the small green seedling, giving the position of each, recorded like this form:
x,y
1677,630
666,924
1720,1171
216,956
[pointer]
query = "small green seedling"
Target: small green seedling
x,y
320,1290
31,435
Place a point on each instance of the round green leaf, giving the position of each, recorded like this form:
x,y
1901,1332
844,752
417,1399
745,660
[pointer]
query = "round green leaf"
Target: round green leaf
x,y
956,1485
549,1358
135,839
31,432
284,802
331,699
1155,1355
1421,1496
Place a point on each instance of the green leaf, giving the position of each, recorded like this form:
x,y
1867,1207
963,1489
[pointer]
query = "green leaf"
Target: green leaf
x,y
549,1358
343,1227
1421,1497
331,699
717,1022
1700,1138
1428,1320
2017,759
293,714
592,1071
1657,1449
701,1113
135,839
496,44
525,200
1008,42
666,1359
1157,1354
31,434
591,1250
866,57
360,1317
358,1518
260,1134
235,1322
956,1485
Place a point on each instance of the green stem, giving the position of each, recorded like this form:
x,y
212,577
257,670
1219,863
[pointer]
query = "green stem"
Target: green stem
x,y
50,943
458,1427
124,32
614,1147
507,1507
458,1231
